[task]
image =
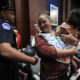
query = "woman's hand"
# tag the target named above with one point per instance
(64, 52)
(69, 38)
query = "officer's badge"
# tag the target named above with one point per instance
(6, 26)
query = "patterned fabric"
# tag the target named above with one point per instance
(58, 43)
(50, 69)
(43, 47)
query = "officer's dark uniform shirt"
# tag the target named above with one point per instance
(8, 68)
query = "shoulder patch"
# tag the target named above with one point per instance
(6, 26)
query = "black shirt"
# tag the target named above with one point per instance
(8, 68)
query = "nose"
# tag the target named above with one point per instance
(42, 24)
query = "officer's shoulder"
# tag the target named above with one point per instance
(5, 25)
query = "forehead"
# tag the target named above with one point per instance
(10, 11)
(42, 18)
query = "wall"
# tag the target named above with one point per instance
(22, 20)
(64, 7)
(75, 4)
(56, 3)
(35, 7)
(27, 12)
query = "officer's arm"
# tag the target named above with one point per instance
(8, 51)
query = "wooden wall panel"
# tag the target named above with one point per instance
(27, 12)
(35, 7)
(22, 20)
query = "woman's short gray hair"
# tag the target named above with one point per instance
(44, 15)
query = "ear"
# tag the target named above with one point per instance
(2, 13)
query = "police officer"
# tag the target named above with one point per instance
(9, 55)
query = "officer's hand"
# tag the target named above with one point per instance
(36, 59)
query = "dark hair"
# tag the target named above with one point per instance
(5, 5)
(74, 19)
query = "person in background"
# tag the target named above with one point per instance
(54, 58)
(62, 30)
(26, 71)
(73, 23)
(36, 28)
(32, 37)
(18, 38)
(9, 55)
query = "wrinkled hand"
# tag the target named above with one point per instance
(36, 56)
(61, 30)
(69, 38)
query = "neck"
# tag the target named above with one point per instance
(52, 32)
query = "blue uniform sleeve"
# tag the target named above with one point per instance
(6, 33)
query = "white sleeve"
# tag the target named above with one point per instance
(33, 42)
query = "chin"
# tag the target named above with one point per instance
(45, 31)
